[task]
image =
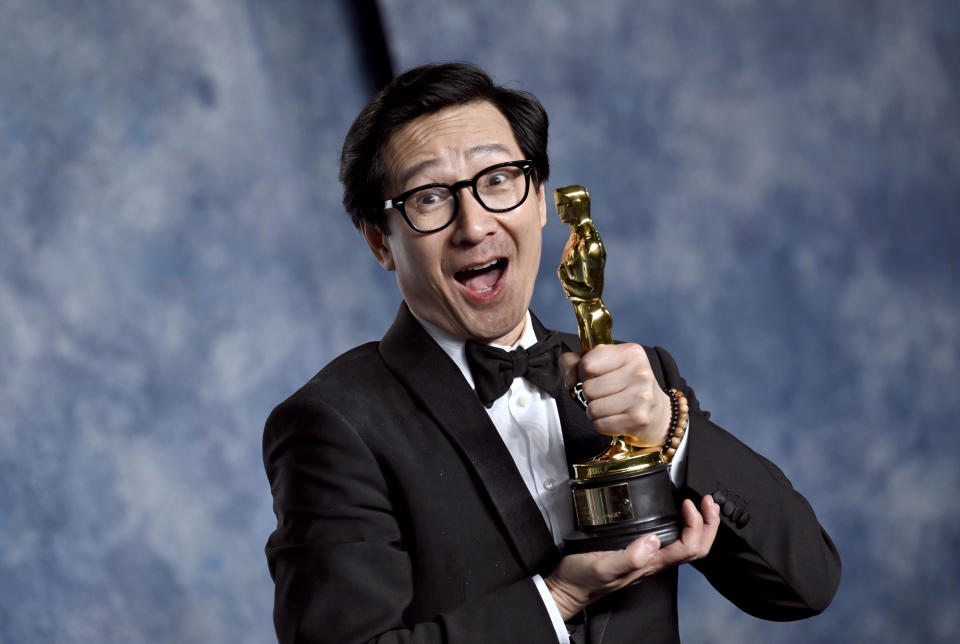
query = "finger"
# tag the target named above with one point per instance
(634, 376)
(615, 425)
(710, 510)
(711, 520)
(632, 413)
(623, 425)
(599, 385)
(569, 366)
(609, 357)
(600, 359)
(692, 522)
(638, 402)
(687, 547)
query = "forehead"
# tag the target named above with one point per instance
(454, 140)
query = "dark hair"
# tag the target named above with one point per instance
(418, 92)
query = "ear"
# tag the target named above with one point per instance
(542, 204)
(379, 244)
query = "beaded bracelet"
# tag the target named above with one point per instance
(679, 420)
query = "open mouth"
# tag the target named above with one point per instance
(482, 278)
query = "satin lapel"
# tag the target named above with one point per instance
(580, 440)
(437, 384)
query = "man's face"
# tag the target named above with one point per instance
(474, 278)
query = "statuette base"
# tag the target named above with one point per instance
(614, 510)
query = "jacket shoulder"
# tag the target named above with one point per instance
(351, 369)
(344, 387)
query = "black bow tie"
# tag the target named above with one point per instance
(494, 369)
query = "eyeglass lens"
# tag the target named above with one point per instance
(500, 188)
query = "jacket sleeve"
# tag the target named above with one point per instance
(341, 571)
(771, 557)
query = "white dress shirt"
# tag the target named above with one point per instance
(528, 422)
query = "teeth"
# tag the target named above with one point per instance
(480, 268)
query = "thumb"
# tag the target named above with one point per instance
(633, 557)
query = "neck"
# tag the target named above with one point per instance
(513, 337)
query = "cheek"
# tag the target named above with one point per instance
(420, 264)
(532, 238)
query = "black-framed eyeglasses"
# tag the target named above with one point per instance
(499, 188)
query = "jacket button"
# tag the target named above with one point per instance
(728, 508)
(736, 514)
(719, 497)
(743, 520)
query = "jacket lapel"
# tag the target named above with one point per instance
(580, 440)
(436, 383)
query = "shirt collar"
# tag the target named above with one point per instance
(456, 347)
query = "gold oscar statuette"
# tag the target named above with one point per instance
(625, 491)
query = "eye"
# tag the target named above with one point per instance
(429, 198)
(496, 179)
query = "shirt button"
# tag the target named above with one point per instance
(523, 400)
(549, 484)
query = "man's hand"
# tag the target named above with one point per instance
(623, 395)
(581, 579)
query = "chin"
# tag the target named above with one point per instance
(496, 327)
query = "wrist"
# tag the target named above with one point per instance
(666, 418)
(566, 602)
(679, 420)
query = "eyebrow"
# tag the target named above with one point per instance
(478, 150)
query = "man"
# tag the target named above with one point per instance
(412, 507)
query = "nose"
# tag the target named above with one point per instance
(473, 222)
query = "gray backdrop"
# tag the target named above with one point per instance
(777, 182)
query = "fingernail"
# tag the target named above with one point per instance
(651, 544)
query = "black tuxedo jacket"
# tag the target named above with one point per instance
(401, 516)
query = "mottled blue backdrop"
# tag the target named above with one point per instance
(778, 184)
